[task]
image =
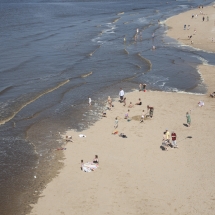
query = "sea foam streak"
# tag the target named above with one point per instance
(29, 102)
(148, 62)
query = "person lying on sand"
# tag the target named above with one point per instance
(139, 103)
(212, 95)
(130, 105)
(115, 132)
(68, 139)
(122, 135)
(104, 114)
(201, 103)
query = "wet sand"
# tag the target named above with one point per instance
(135, 176)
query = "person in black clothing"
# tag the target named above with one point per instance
(139, 103)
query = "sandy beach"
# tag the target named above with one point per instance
(135, 176)
(202, 32)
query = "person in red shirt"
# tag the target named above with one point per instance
(174, 136)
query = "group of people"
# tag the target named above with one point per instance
(169, 140)
(90, 166)
(142, 87)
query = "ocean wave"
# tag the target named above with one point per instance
(142, 20)
(148, 62)
(87, 74)
(20, 107)
(126, 51)
(5, 89)
(116, 20)
(44, 38)
(139, 67)
(91, 54)
(120, 13)
(19, 66)
(204, 61)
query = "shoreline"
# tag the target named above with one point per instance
(135, 175)
(197, 28)
(118, 185)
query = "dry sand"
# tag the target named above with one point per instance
(135, 176)
(205, 30)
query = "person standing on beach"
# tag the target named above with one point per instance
(109, 102)
(203, 18)
(90, 100)
(144, 87)
(121, 94)
(188, 119)
(140, 87)
(116, 123)
(173, 135)
(142, 117)
(167, 136)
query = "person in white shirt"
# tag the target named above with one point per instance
(90, 100)
(121, 94)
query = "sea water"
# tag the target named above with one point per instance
(54, 54)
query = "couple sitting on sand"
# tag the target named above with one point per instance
(138, 103)
(90, 166)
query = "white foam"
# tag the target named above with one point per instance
(142, 20)
(204, 61)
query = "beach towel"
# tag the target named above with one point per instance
(86, 169)
(82, 135)
(89, 167)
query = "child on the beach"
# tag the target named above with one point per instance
(126, 115)
(116, 123)
(142, 117)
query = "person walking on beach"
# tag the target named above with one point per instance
(203, 18)
(109, 102)
(90, 100)
(124, 101)
(173, 135)
(188, 119)
(121, 94)
(116, 123)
